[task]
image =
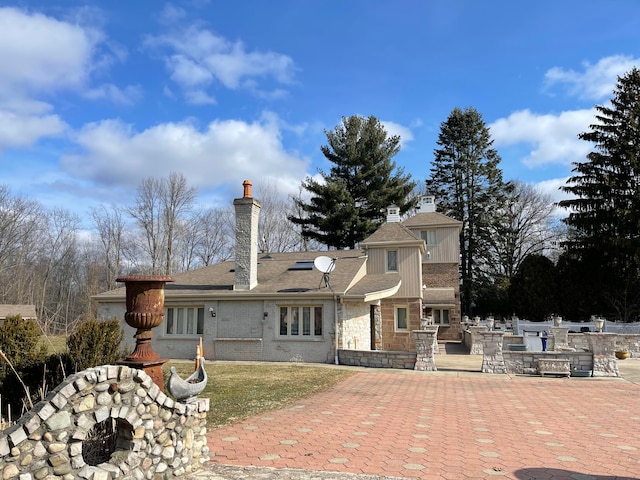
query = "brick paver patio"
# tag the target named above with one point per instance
(456, 426)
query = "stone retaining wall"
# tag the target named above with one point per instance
(527, 362)
(106, 422)
(377, 359)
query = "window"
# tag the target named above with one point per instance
(429, 237)
(440, 316)
(392, 260)
(402, 318)
(300, 321)
(184, 320)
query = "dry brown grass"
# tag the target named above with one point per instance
(238, 391)
(54, 344)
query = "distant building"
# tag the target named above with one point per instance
(280, 307)
(27, 312)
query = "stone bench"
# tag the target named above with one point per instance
(554, 366)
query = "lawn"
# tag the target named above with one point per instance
(54, 344)
(238, 391)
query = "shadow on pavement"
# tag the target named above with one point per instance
(560, 474)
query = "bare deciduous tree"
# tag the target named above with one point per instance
(159, 206)
(111, 230)
(526, 227)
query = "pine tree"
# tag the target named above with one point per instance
(605, 213)
(350, 203)
(468, 186)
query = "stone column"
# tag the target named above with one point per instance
(434, 329)
(377, 321)
(492, 359)
(476, 341)
(560, 337)
(603, 346)
(425, 360)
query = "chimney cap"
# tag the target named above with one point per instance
(247, 188)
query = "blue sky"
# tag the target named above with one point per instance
(96, 96)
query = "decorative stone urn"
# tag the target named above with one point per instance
(145, 310)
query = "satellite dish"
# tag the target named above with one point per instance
(324, 264)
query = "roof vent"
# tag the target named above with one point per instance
(393, 214)
(427, 204)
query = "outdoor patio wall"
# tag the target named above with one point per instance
(355, 334)
(60, 438)
(527, 362)
(377, 359)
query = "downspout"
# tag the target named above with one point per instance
(335, 327)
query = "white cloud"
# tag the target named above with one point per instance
(554, 137)
(24, 130)
(221, 153)
(392, 128)
(40, 57)
(39, 53)
(127, 96)
(595, 82)
(198, 56)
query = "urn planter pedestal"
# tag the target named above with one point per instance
(145, 310)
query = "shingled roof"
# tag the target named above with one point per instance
(431, 219)
(25, 311)
(392, 233)
(279, 274)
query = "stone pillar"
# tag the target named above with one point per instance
(425, 360)
(560, 338)
(492, 359)
(434, 329)
(476, 341)
(377, 321)
(603, 346)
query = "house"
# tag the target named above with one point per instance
(27, 312)
(289, 306)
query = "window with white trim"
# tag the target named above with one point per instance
(392, 260)
(300, 321)
(184, 320)
(429, 237)
(440, 316)
(402, 318)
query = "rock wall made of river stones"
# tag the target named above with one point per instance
(107, 422)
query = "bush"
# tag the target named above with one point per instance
(18, 340)
(95, 343)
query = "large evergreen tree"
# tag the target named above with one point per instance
(467, 183)
(351, 200)
(605, 212)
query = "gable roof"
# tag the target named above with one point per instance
(25, 311)
(276, 279)
(431, 219)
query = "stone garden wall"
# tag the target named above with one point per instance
(377, 359)
(106, 422)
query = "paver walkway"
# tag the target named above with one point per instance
(436, 425)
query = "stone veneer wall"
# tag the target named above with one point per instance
(445, 275)
(527, 362)
(156, 437)
(393, 340)
(377, 359)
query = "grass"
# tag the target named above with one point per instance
(54, 344)
(238, 391)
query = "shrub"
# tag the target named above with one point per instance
(95, 343)
(18, 340)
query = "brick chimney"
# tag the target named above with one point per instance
(247, 216)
